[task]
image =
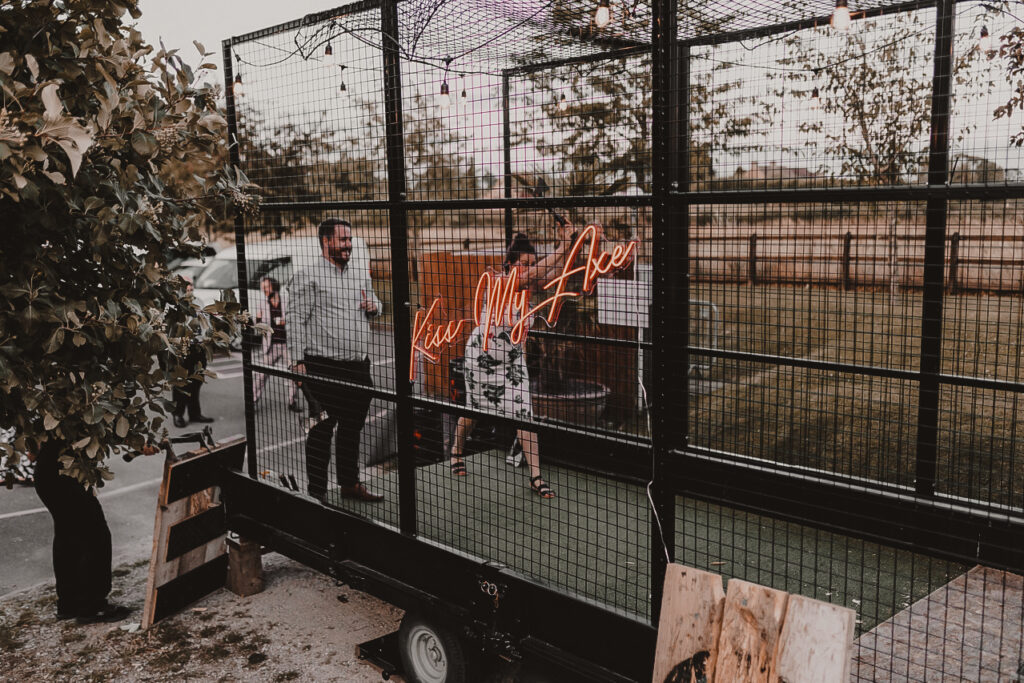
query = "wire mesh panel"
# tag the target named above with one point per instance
(584, 301)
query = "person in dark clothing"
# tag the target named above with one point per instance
(329, 306)
(81, 543)
(187, 397)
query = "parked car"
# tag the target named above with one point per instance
(275, 258)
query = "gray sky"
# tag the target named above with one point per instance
(179, 22)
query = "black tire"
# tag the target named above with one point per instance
(431, 653)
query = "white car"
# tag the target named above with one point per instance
(273, 258)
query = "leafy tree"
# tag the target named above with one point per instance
(88, 131)
(877, 80)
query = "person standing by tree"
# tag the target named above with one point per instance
(187, 397)
(330, 304)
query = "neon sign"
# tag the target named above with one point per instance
(505, 303)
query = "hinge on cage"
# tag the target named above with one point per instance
(493, 591)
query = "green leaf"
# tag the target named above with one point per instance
(121, 429)
(55, 341)
(82, 443)
(50, 422)
(144, 144)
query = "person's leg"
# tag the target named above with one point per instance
(462, 430)
(318, 441)
(355, 407)
(259, 379)
(81, 539)
(528, 440)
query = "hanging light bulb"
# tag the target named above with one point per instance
(342, 87)
(603, 15)
(985, 40)
(329, 56)
(238, 89)
(463, 97)
(841, 16)
(563, 104)
(443, 99)
(815, 99)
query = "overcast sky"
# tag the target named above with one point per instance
(179, 22)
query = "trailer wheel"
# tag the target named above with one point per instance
(430, 653)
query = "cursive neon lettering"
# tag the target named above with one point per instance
(499, 300)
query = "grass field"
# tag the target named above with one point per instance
(856, 424)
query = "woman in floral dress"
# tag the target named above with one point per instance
(496, 378)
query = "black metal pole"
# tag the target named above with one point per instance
(248, 338)
(401, 303)
(934, 253)
(665, 292)
(507, 149)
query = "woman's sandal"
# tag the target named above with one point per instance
(458, 468)
(540, 487)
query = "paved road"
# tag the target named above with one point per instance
(26, 530)
(129, 501)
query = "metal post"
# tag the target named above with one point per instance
(752, 260)
(507, 147)
(847, 259)
(248, 338)
(954, 263)
(668, 295)
(398, 220)
(934, 252)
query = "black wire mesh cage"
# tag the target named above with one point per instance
(740, 282)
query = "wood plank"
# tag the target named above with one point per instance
(751, 625)
(814, 646)
(189, 587)
(202, 470)
(195, 531)
(691, 618)
(157, 553)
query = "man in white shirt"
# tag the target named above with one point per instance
(330, 304)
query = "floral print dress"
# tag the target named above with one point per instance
(496, 378)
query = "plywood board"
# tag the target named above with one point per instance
(691, 618)
(815, 643)
(751, 625)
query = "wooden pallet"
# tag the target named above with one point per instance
(750, 634)
(189, 559)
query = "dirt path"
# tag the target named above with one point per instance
(302, 627)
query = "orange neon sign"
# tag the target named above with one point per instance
(509, 305)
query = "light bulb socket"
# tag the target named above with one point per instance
(342, 87)
(238, 79)
(329, 51)
(984, 31)
(814, 93)
(444, 88)
(842, 3)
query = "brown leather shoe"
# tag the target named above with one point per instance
(360, 492)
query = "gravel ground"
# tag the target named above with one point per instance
(303, 627)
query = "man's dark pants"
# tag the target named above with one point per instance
(346, 408)
(81, 539)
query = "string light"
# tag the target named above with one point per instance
(603, 15)
(463, 98)
(841, 16)
(563, 104)
(342, 87)
(815, 99)
(329, 56)
(444, 100)
(985, 41)
(238, 89)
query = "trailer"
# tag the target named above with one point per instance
(779, 418)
